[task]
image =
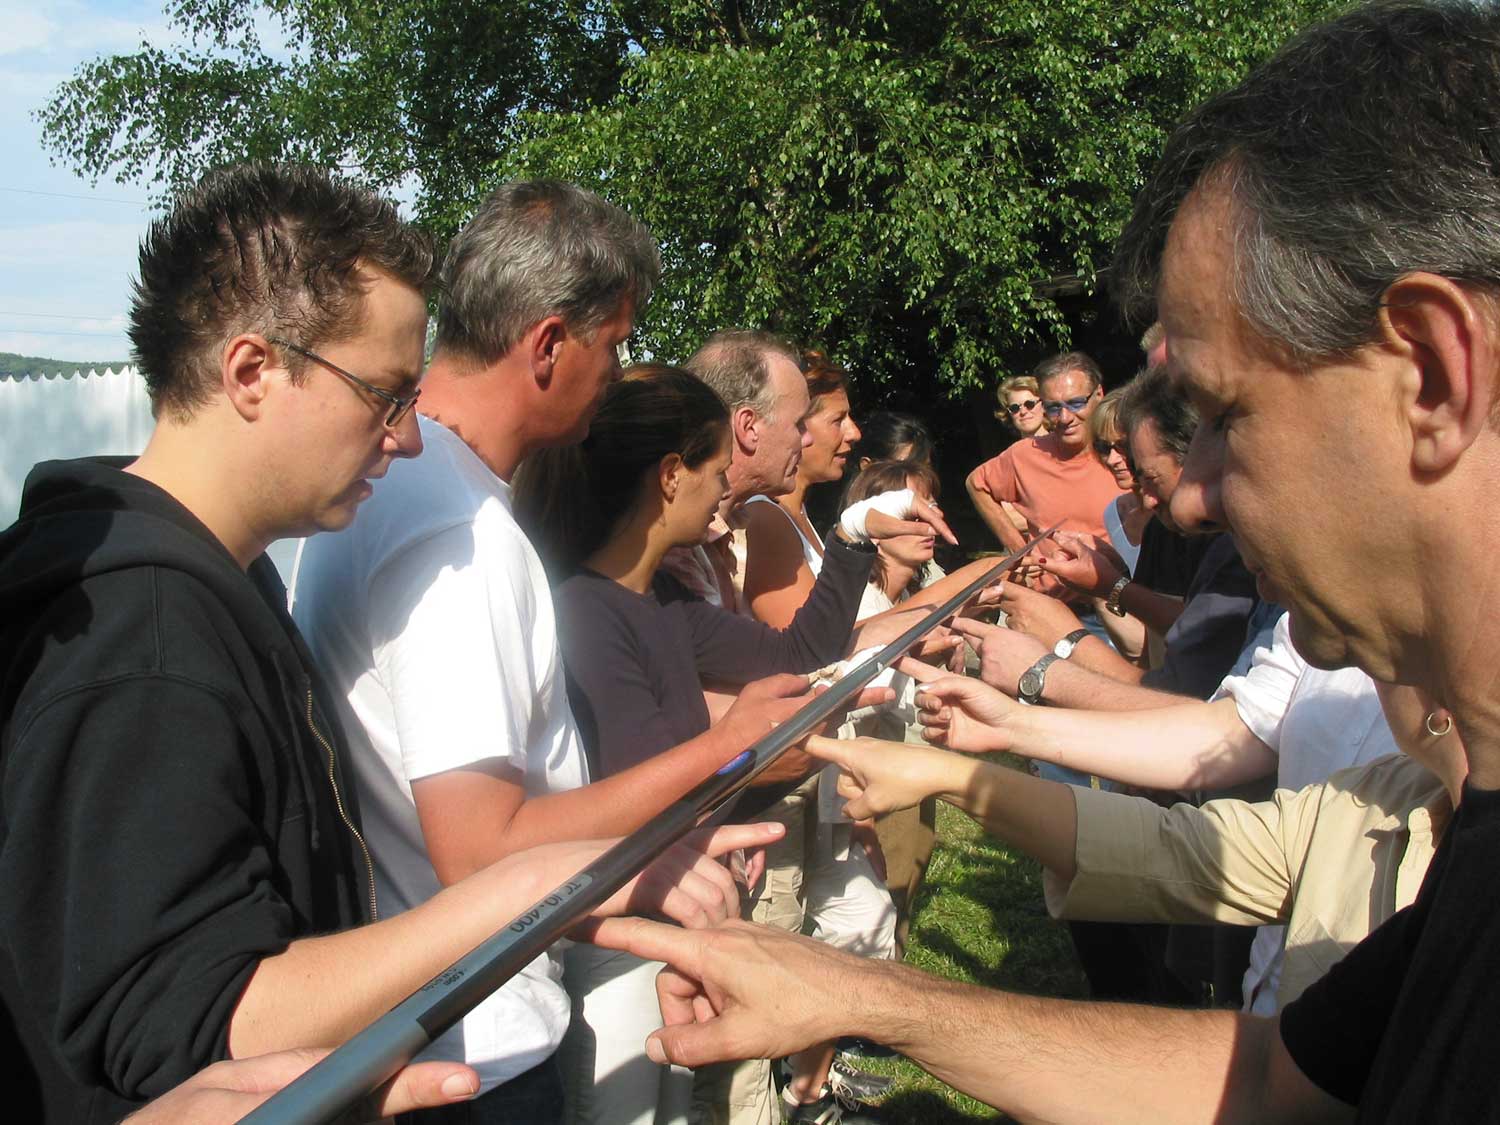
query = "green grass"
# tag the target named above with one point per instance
(979, 919)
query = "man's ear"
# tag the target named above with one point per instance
(745, 424)
(1447, 336)
(245, 367)
(669, 475)
(544, 341)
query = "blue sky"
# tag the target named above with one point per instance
(67, 248)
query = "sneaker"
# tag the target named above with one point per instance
(864, 1048)
(848, 1081)
(829, 1109)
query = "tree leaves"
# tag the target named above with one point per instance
(909, 186)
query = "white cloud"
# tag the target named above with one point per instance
(46, 246)
(26, 29)
(79, 31)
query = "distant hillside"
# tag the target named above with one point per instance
(16, 365)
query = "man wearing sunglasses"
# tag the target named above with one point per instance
(1056, 477)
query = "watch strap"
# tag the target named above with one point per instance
(1064, 648)
(1112, 603)
(1034, 680)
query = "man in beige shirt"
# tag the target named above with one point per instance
(1331, 861)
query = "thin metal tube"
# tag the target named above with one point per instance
(374, 1055)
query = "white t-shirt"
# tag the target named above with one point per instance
(1318, 722)
(432, 617)
(1115, 528)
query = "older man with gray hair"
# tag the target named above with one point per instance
(1321, 245)
(434, 620)
(759, 377)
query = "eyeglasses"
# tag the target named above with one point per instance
(1072, 405)
(1105, 448)
(1017, 407)
(400, 404)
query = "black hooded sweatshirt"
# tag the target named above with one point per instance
(173, 806)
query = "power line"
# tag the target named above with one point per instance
(69, 195)
(54, 316)
(53, 332)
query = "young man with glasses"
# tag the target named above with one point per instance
(1055, 478)
(186, 878)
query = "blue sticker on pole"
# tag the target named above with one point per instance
(734, 763)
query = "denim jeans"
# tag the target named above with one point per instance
(1050, 772)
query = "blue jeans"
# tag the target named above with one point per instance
(1050, 772)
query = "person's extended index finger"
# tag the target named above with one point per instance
(828, 749)
(934, 517)
(970, 627)
(921, 671)
(653, 941)
(714, 842)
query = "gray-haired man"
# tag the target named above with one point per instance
(433, 616)
(1320, 243)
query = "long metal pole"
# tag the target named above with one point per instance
(374, 1055)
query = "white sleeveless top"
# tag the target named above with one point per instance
(809, 550)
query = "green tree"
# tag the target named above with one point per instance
(909, 185)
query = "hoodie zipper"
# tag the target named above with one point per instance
(338, 801)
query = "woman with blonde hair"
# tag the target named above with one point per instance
(1021, 405)
(1126, 517)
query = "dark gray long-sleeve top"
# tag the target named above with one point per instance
(636, 663)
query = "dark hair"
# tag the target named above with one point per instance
(886, 431)
(824, 377)
(733, 362)
(570, 498)
(1053, 366)
(1367, 148)
(540, 248)
(891, 476)
(279, 249)
(1151, 395)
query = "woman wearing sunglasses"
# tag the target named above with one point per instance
(1021, 406)
(1125, 517)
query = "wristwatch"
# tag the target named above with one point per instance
(1034, 679)
(1112, 603)
(1064, 648)
(858, 546)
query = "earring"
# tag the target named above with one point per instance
(1438, 731)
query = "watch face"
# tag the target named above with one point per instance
(1064, 648)
(1028, 684)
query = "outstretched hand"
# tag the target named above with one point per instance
(938, 644)
(228, 1090)
(742, 991)
(1081, 565)
(765, 704)
(923, 517)
(1043, 617)
(879, 777)
(686, 883)
(1004, 654)
(959, 712)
